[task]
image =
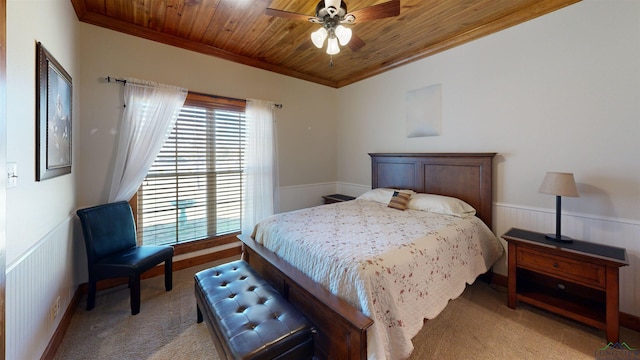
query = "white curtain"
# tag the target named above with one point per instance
(150, 112)
(261, 170)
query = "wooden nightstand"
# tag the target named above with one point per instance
(334, 198)
(578, 280)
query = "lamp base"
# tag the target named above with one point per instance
(562, 238)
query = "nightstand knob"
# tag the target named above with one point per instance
(555, 265)
(561, 286)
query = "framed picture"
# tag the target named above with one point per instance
(53, 117)
(424, 111)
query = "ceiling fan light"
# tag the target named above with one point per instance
(343, 34)
(318, 37)
(332, 46)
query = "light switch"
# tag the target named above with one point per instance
(12, 175)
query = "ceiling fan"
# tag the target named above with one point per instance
(332, 14)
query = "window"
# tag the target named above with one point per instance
(193, 190)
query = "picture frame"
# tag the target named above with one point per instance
(54, 93)
(424, 111)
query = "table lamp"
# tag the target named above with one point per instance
(559, 184)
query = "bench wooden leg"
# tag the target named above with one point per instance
(200, 318)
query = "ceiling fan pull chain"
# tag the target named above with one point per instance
(331, 61)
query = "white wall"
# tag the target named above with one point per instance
(306, 137)
(561, 92)
(39, 214)
(45, 253)
(557, 93)
(34, 208)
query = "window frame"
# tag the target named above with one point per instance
(203, 100)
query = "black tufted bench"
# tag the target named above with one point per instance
(248, 318)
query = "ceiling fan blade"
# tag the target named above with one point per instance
(380, 11)
(355, 43)
(286, 14)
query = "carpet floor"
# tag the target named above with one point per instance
(477, 325)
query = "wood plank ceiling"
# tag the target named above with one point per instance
(239, 31)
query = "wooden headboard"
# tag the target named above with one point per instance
(466, 176)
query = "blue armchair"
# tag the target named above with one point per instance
(110, 237)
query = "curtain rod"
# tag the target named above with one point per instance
(123, 81)
(110, 79)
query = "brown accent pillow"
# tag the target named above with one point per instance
(399, 200)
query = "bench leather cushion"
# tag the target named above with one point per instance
(249, 317)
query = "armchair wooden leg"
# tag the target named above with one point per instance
(168, 275)
(134, 282)
(91, 295)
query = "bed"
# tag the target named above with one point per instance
(343, 329)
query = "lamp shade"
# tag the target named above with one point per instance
(318, 37)
(559, 184)
(343, 34)
(332, 46)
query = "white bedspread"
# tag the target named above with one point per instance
(397, 267)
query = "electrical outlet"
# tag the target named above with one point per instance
(55, 308)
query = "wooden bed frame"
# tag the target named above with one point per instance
(341, 328)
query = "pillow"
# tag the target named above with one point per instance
(441, 204)
(381, 195)
(399, 200)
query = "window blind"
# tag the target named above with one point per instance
(193, 190)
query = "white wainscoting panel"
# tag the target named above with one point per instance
(352, 189)
(33, 283)
(610, 231)
(54, 266)
(304, 196)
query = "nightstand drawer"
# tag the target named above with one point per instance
(580, 272)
